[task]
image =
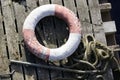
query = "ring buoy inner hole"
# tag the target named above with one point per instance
(52, 32)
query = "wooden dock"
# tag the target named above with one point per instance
(50, 31)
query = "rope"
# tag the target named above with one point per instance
(92, 55)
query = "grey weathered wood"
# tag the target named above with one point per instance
(31, 4)
(57, 2)
(105, 7)
(30, 72)
(84, 17)
(4, 62)
(20, 15)
(42, 2)
(96, 20)
(20, 8)
(70, 4)
(12, 36)
(98, 28)
(109, 27)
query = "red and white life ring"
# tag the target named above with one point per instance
(57, 53)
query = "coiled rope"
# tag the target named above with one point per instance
(93, 56)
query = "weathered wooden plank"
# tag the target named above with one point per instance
(57, 2)
(31, 4)
(70, 4)
(30, 72)
(4, 62)
(98, 28)
(96, 20)
(19, 7)
(12, 36)
(105, 7)
(83, 13)
(42, 2)
(109, 27)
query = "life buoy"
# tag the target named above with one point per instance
(57, 53)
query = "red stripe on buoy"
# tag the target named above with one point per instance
(69, 17)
